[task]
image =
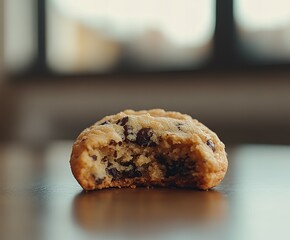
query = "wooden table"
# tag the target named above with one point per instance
(39, 199)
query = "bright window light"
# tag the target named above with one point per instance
(183, 21)
(262, 14)
(263, 28)
(157, 33)
(20, 44)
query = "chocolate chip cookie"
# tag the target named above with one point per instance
(148, 148)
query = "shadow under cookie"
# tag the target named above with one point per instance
(139, 211)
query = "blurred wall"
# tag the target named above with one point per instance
(240, 107)
(1, 40)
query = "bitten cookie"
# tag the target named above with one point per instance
(148, 148)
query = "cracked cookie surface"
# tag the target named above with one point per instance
(148, 148)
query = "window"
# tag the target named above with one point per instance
(263, 28)
(100, 36)
(20, 39)
(70, 37)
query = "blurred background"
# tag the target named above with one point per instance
(64, 64)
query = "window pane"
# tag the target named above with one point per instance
(264, 29)
(20, 45)
(98, 36)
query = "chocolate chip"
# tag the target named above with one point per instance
(125, 164)
(127, 130)
(114, 173)
(180, 167)
(145, 165)
(132, 173)
(161, 159)
(120, 143)
(171, 171)
(138, 174)
(144, 137)
(123, 121)
(94, 157)
(176, 168)
(129, 173)
(115, 154)
(112, 142)
(210, 144)
(152, 144)
(104, 123)
(178, 125)
(99, 181)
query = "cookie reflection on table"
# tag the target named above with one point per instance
(137, 209)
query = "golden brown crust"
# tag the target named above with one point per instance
(211, 157)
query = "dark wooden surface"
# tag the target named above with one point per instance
(39, 199)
